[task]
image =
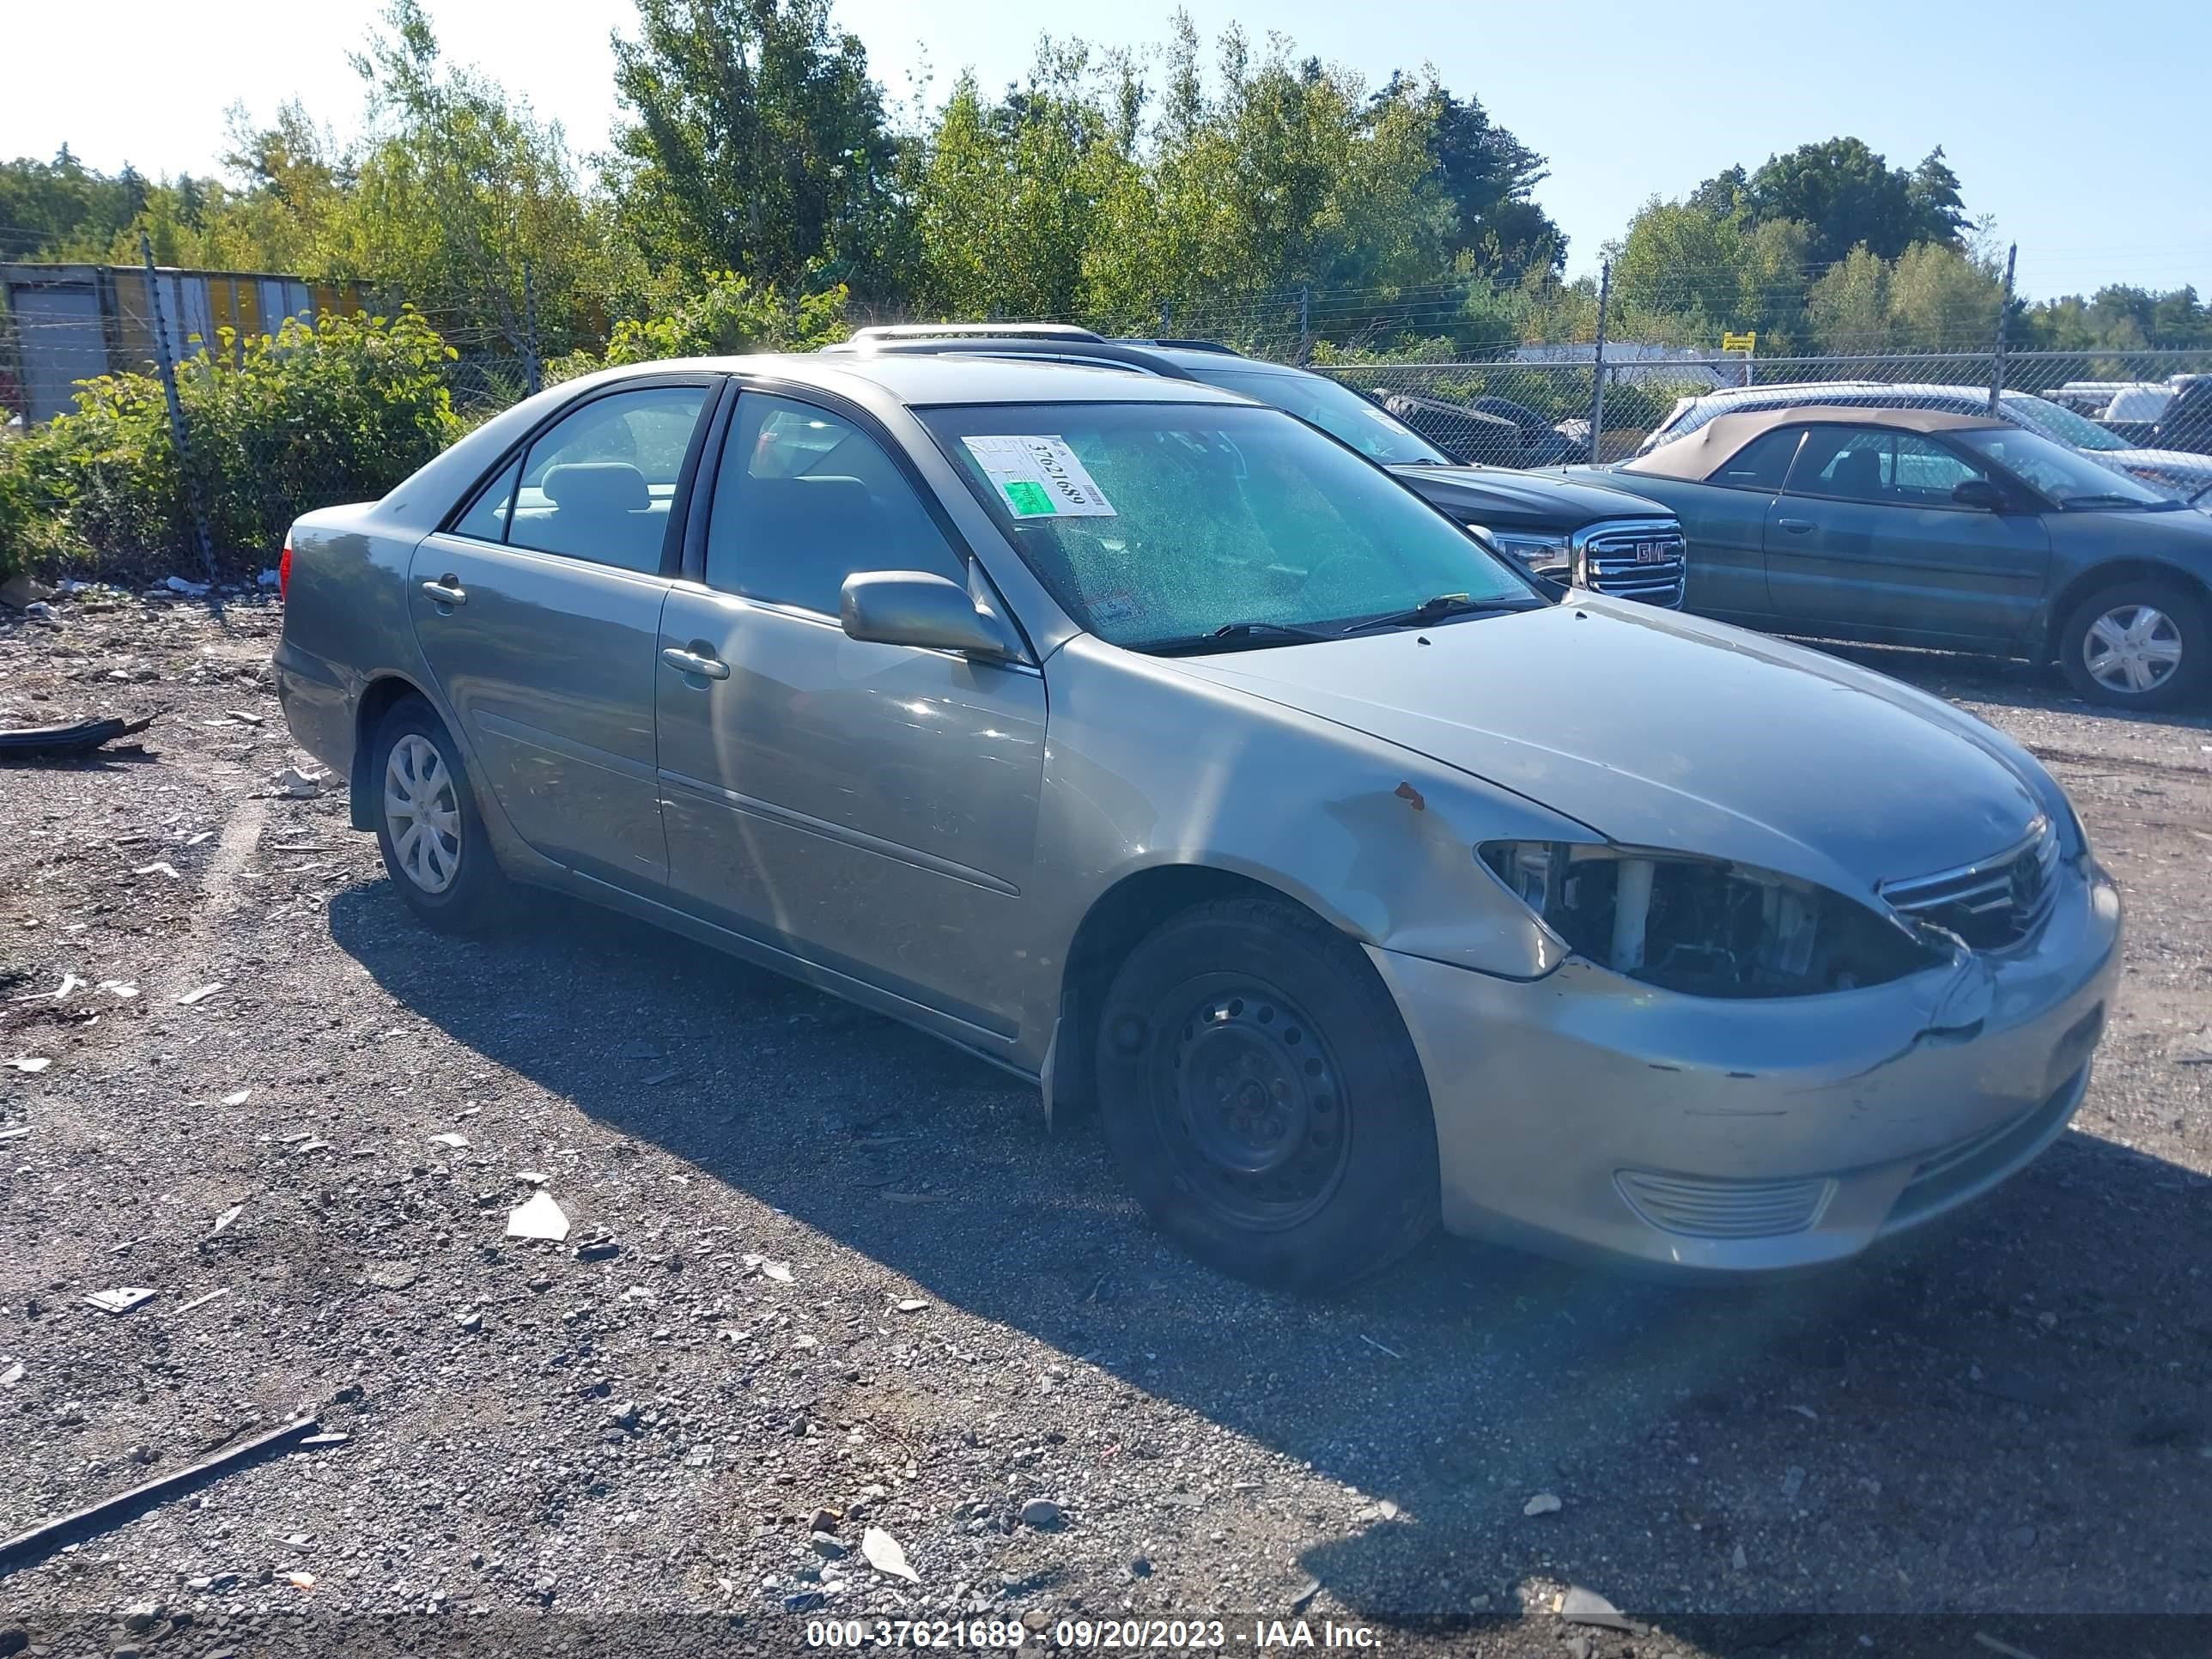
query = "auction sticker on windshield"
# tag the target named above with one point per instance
(1039, 477)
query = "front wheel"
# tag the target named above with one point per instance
(2137, 645)
(434, 842)
(1263, 1100)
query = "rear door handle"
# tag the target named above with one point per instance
(690, 662)
(448, 591)
(1796, 527)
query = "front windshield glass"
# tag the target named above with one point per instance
(2058, 421)
(2056, 472)
(1152, 523)
(1336, 410)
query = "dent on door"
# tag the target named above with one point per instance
(871, 807)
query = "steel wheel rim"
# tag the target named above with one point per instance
(1249, 1097)
(423, 814)
(2132, 649)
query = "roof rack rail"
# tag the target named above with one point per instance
(976, 330)
(1190, 345)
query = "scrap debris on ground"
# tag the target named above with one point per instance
(825, 1319)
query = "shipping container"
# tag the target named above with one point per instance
(66, 323)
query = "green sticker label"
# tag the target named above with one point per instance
(1027, 499)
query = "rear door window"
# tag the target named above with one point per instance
(1763, 463)
(486, 519)
(600, 483)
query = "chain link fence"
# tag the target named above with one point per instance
(1535, 407)
(1491, 402)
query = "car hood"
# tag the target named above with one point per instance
(2180, 462)
(2191, 475)
(1664, 730)
(1522, 497)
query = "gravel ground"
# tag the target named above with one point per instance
(843, 1269)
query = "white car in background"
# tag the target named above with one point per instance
(2175, 474)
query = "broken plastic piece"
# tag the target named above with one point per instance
(1585, 1607)
(539, 1217)
(40, 1538)
(881, 1551)
(81, 739)
(121, 1300)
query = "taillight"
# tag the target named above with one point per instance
(285, 569)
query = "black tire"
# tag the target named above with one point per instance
(476, 892)
(1263, 1100)
(2185, 626)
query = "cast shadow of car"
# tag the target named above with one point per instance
(1887, 1426)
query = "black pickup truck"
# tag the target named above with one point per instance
(1563, 532)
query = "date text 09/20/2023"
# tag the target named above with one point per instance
(1141, 1635)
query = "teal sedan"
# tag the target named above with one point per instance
(1901, 526)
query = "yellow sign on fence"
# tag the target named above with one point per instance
(1740, 342)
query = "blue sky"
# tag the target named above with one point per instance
(2077, 127)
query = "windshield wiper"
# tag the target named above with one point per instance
(2101, 501)
(1435, 609)
(1234, 634)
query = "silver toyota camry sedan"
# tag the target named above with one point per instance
(1156, 747)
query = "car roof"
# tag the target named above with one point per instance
(1695, 457)
(1444, 406)
(926, 379)
(1176, 359)
(1814, 391)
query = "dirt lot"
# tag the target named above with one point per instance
(853, 1272)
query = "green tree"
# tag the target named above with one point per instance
(1489, 178)
(1848, 309)
(1941, 299)
(756, 142)
(461, 198)
(1846, 196)
(1014, 199)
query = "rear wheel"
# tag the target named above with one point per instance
(434, 846)
(2137, 645)
(1261, 1095)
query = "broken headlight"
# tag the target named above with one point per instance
(1705, 927)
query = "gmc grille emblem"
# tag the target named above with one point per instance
(1650, 552)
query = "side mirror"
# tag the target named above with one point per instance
(1978, 492)
(911, 607)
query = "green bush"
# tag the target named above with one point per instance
(730, 317)
(341, 410)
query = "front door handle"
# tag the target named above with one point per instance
(692, 662)
(447, 592)
(1796, 527)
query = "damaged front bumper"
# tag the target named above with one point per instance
(1585, 1112)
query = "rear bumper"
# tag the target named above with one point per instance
(318, 704)
(1586, 1113)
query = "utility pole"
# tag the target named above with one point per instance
(532, 375)
(2004, 315)
(169, 371)
(1597, 363)
(1305, 325)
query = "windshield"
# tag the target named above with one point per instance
(1336, 410)
(1152, 523)
(2056, 472)
(2057, 420)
